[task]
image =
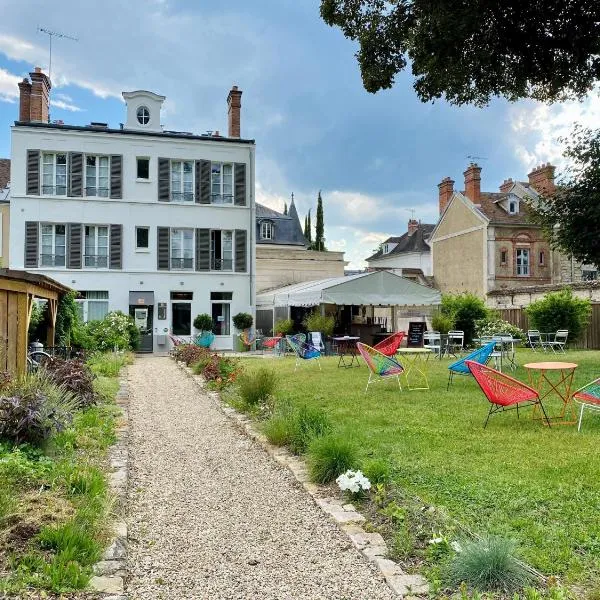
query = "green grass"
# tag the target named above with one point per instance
(516, 479)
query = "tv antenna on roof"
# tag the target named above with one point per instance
(471, 157)
(52, 34)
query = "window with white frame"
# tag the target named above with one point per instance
(96, 176)
(182, 248)
(221, 183)
(182, 181)
(92, 306)
(523, 262)
(513, 207)
(221, 312)
(221, 250)
(142, 238)
(54, 174)
(53, 246)
(96, 247)
(266, 230)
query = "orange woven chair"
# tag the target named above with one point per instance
(503, 392)
(389, 346)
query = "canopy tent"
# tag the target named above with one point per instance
(379, 288)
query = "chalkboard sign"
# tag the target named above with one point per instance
(416, 329)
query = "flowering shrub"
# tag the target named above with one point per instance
(221, 371)
(190, 353)
(353, 482)
(493, 325)
(116, 331)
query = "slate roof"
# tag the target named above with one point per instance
(287, 230)
(4, 172)
(417, 242)
(498, 216)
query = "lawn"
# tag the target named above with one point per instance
(517, 478)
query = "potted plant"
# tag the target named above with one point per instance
(241, 322)
(203, 322)
(283, 327)
(315, 321)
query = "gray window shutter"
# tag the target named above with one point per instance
(204, 178)
(75, 175)
(116, 247)
(116, 176)
(33, 173)
(240, 184)
(240, 251)
(202, 249)
(163, 249)
(164, 181)
(74, 246)
(32, 230)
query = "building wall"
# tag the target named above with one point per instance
(277, 266)
(4, 234)
(139, 207)
(408, 260)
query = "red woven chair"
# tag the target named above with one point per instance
(389, 346)
(503, 392)
(271, 343)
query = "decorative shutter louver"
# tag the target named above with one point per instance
(33, 173)
(116, 246)
(204, 191)
(164, 182)
(240, 184)
(240, 250)
(163, 237)
(116, 176)
(202, 249)
(32, 230)
(74, 234)
(75, 175)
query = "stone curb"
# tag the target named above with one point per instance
(371, 545)
(110, 572)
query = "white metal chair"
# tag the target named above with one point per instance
(507, 348)
(433, 341)
(534, 339)
(316, 340)
(559, 342)
(456, 342)
(496, 354)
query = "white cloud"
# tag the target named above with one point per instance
(9, 92)
(65, 105)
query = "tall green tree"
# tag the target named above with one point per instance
(285, 208)
(319, 243)
(308, 228)
(473, 50)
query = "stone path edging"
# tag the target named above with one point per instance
(371, 545)
(109, 573)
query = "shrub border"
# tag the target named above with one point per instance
(371, 545)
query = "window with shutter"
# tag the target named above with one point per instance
(163, 262)
(240, 184)
(116, 176)
(31, 243)
(33, 173)
(116, 247)
(202, 249)
(164, 182)
(75, 175)
(240, 250)
(74, 245)
(204, 182)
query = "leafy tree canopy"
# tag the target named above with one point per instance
(468, 51)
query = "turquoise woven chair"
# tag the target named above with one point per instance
(303, 350)
(205, 339)
(481, 356)
(380, 365)
(589, 397)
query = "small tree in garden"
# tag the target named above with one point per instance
(284, 326)
(560, 310)
(243, 321)
(465, 309)
(317, 322)
(67, 318)
(203, 322)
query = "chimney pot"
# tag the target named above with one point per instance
(541, 179)
(413, 225)
(506, 185)
(473, 183)
(40, 96)
(234, 105)
(24, 100)
(446, 189)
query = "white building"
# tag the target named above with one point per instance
(156, 223)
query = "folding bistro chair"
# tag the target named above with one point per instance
(303, 351)
(433, 341)
(534, 339)
(315, 339)
(456, 342)
(559, 342)
(589, 397)
(389, 346)
(503, 392)
(481, 355)
(380, 365)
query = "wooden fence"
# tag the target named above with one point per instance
(589, 340)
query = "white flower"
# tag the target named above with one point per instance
(456, 546)
(437, 540)
(353, 481)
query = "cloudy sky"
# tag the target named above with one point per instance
(376, 158)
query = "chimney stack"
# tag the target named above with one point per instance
(34, 97)
(541, 179)
(506, 185)
(413, 225)
(24, 100)
(234, 104)
(446, 188)
(473, 183)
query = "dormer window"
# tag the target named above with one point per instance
(266, 230)
(143, 115)
(385, 248)
(513, 207)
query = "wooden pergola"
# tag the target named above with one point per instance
(18, 289)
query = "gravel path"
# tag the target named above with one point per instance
(212, 516)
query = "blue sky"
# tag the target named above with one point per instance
(375, 157)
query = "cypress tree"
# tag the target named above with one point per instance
(308, 228)
(285, 208)
(320, 226)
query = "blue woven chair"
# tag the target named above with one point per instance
(481, 356)
(205, 339)
(303, 350)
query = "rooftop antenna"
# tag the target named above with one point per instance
(50, 35)
(471, 157)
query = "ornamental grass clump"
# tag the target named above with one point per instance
(307, 424)
(256, 388)
(330, 456)
(488, 564)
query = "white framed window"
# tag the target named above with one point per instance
(143, 168)
(385, 249)
(143, 115)
(221, 312)
(589, 275)
(266, 230)
(53, 246)
(54, 174)
(96, 247)
(221, 250)
(221, 183)
(182, 181)
(142, 238)
(513, 207)
(182, 249)
(92, 306)
(523, 262)
(96, 176)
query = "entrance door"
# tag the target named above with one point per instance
(143, 317)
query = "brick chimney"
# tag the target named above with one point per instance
(541, 179)
(24, 100)
(506, 185)
(234, 104)
(34, 97)
(413, 225)
(446, 188)
(473, 183)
